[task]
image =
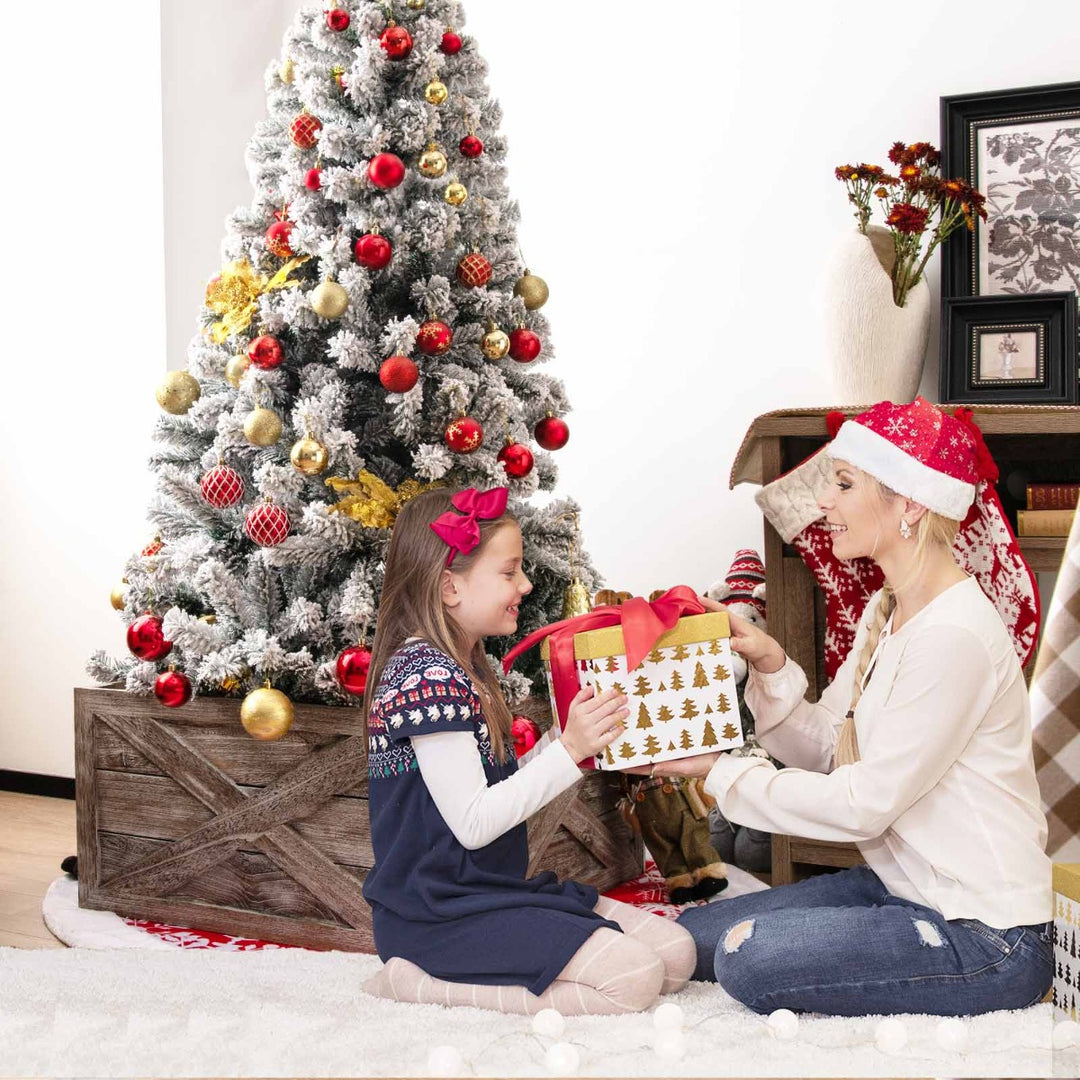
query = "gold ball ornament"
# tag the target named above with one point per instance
(329, 299)
(435, 93)
(532, 289)
(309, 456)
(495, 344)
(266, 713)
(179, 391)
(262, 427)
(286, 71)
(235, 368)
(456, 193)
(432, 162)
(116, 597)
(415, 5)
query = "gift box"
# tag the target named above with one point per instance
(682, 693)
(1066, 925)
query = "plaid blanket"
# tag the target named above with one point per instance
(1055, 709)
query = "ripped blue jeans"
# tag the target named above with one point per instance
(841, 944)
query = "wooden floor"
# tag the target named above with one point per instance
(36, 835)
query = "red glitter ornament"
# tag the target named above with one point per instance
(398, 374)
(266, 352)
(386, 170)
(526, 734)
(304, 130)
(451, 43)
(145, 638)
(464, 435)
(352, 669)
(222, 486)
(153, 547)
(373, 251)
(471, 146)
(172, 688)
(277, 239)
(313, 179)
(266, 524)
(524, 345)
(434, 337)
(337, 19)
(474, 270)
(551, 433)
(397, 41)
(516, 458)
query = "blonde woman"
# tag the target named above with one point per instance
(919, 751)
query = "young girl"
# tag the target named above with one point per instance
(455, 919)
(919, 751)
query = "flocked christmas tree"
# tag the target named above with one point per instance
(374, 330)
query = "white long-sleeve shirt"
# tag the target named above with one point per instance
(943, 805)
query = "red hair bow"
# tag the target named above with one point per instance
(463, 533)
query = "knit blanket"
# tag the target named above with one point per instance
(1055, 708)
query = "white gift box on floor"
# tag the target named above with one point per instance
(1066, 948)
(682, 695)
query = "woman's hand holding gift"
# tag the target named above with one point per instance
(696, 766)
(593, 722)
(750, 641)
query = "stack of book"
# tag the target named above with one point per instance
(1050, 510)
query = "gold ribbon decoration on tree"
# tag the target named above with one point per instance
(234, 294)
(371, 501)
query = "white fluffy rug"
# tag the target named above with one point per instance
(179, 1012)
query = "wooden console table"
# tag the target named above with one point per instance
(1032, 442)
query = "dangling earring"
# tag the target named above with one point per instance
(905, 529)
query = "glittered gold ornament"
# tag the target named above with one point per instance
(116, 597)
(329, 299)
(235, 369)
(286, 71)
(266, 713)
(178, 392)
(495, 344)
(309, 456)
(575, 600)
(415, 5)
(229, 684)
(532, 289)
(435, 93)
(262, 427)
(456, 193)
(432, 162)
(372, 501)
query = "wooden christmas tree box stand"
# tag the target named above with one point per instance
(183, 818)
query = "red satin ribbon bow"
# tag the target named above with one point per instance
(463, 533)
(643, 624)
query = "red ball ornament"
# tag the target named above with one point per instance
(172, 688)
(464, 435)
(524, 345)
(277, 239)
(153, 547)
(386, 170)
(471, 146)
(397, 41)
(373, 251)
(266, 352)
(352, 669)
(516, 458)
(266, 524)
(398, 374)
(337, 19)
(451, 43)
(434, 337)
(474, 270)
(313, 179)
(551, 433)
(222, 486)
(526, 734)
(145, 639)
(304, 130)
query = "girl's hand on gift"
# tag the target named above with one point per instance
(750, 641)
(593, 722)
(696, 766)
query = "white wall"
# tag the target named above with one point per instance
(674, 169)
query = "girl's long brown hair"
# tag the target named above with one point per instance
(411, 605)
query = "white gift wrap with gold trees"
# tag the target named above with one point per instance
(682, 695)
(1066, 951)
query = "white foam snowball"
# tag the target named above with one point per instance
(445, 1061)
(670, 1044)
(562, 1060)
(783, 1024)
(951, 1034)
(890, 1035)
(668, 1017)
(549, 1022)
(1066, 1034)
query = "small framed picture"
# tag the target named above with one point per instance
(1016, 350)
